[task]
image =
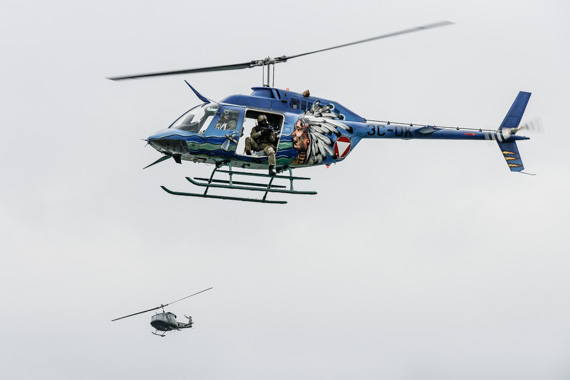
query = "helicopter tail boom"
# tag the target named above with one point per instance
(506, 135)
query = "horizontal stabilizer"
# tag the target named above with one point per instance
(512, 155)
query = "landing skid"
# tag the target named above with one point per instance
(161, 335)
(230, 184)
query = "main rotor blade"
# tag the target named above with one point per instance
(405, 31)
(235, 66)
(140, 312)
(161, 306)
(284, 58)
(201, 291)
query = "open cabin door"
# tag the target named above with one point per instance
(250, 121)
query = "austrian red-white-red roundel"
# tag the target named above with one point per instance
(342, 146)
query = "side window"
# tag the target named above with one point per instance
(294, 103)
(206, 123)
(197, 119)
(206, 118)
(226, 121)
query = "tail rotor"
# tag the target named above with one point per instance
(534, 125)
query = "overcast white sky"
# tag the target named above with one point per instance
(416, 260)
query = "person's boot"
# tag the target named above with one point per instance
(272, 170)
(248, 152)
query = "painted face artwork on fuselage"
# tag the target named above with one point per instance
(315, 133)
(301, 141)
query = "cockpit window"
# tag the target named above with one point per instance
(197, 119)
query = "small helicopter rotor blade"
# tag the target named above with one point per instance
(161, 306)
(140, 312)
(236, 66)
(398, 33)
(201, 291)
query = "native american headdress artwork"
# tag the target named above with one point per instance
(315, 133)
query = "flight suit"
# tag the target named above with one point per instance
(228, 126)
(261, 139)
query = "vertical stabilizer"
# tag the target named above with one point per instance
(509, 126)
(512, 155)
(515, 114)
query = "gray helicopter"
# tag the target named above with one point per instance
(165, 321)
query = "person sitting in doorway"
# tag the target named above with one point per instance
(263, 137)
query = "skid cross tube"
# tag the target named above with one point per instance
(266, 175)
(239, 182)
(231, 184)
(268, 189)
(212, 176)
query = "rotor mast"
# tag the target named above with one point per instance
(268, 69)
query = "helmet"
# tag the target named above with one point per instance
(226, 113)
(261, 119)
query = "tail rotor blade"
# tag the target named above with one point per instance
(534, 125)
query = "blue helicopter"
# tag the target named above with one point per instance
(280, 130)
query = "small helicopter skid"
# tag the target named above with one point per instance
(230, 184)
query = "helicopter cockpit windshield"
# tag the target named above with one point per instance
(197, 119)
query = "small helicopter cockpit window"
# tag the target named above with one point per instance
(197, 119)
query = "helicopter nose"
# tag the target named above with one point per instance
(170, 145)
